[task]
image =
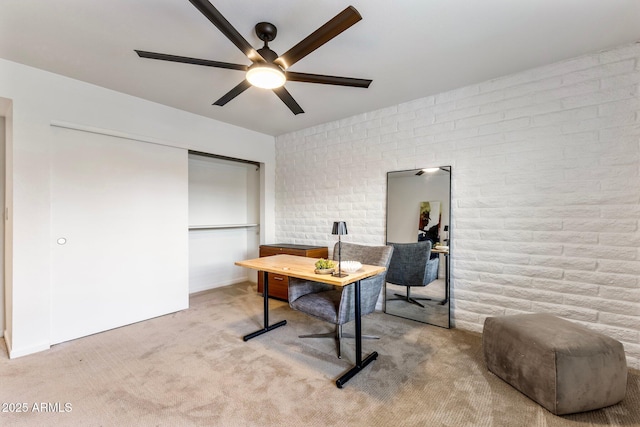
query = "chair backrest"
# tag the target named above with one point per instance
(372, 255)
(409, 264)
(371, 287)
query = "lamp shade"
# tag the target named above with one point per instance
(266, 76)
(339, 228)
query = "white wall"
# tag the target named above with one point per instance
(2, 181)
(221, 193)
(546, 188)
(6, 111)
(39, 98)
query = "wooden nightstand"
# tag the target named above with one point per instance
(278, 284)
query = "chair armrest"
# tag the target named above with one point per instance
(431, 273)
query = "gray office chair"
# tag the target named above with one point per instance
(412, 265)
(336, 305)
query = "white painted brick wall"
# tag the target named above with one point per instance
(546, 188)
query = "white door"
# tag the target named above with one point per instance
(119, 232)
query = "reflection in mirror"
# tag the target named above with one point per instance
(418, 218)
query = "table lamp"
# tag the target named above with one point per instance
(339, 228)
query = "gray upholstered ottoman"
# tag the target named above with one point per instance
(563, 366)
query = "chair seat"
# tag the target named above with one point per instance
(323, 305)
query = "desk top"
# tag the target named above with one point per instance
(303, 268)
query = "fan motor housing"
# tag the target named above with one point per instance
(266, 31)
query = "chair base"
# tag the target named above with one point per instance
(411, 300)
(338, 335)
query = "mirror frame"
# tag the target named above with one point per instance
(447, 260)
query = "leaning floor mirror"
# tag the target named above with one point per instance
(418, 219)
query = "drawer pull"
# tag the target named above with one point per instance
(278, 278)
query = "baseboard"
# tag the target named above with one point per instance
(14, 353)
(7, 340)
(203, 288)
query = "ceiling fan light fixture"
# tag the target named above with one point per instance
(266, 76)
(268, 69)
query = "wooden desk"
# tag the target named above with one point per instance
(279, 282)
(303, 268)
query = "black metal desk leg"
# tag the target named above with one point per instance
(360, 364)
(267, 327)
(358, 314)
(446, 279)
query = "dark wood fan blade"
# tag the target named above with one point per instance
(332, 28)
(286, 97)
(327, 80)
(187, 60)
(244, 85)
(216, 18)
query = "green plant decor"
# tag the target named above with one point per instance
(325, 264)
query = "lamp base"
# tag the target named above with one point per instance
(335, 274)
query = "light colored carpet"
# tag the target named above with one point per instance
(192, 368)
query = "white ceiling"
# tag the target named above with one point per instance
(409, 48)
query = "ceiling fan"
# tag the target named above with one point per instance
(268, 70)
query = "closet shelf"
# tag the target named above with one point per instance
(221, 226)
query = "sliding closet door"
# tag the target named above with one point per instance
(119, 232)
